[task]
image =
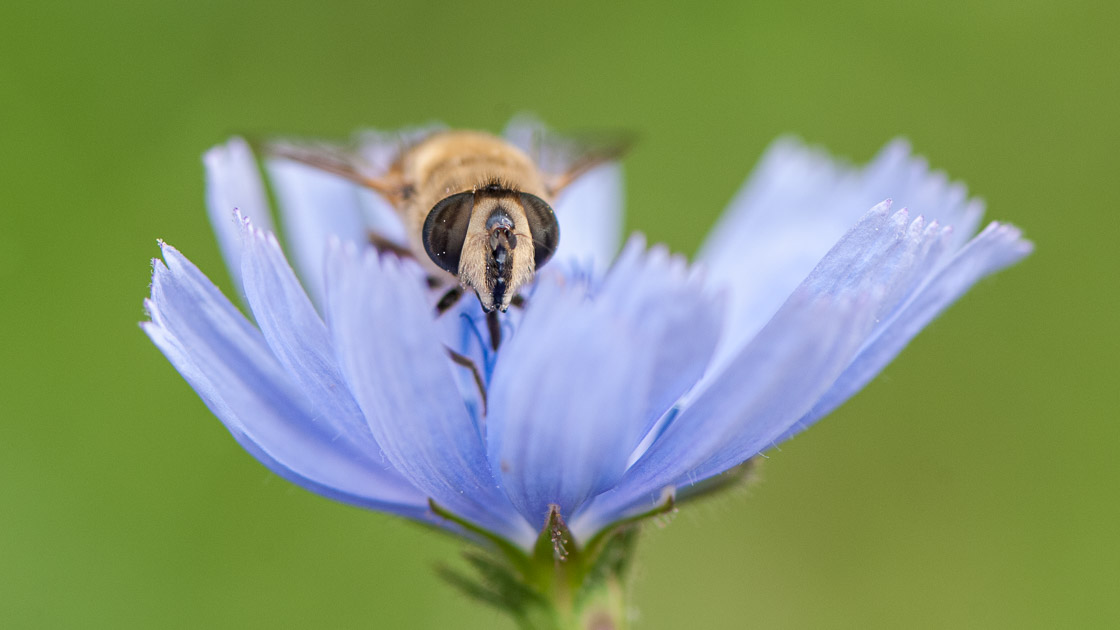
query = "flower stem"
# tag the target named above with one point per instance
(603, 609)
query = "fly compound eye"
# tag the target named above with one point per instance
(543, 227)
(445, 230)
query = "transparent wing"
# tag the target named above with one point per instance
(564, 158)
(343, 160)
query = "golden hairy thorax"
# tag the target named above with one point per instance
(452, 162)
(456, 161)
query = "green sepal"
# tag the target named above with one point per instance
(512, 552)
(495, 583)
(557, 584)
(667, 505)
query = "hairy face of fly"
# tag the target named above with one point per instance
(497, 258)
(492, 239)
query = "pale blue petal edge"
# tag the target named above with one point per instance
(670, 300)
(797, 203)
(314, 206)
(233, 182)
(226, 360)
(300, 342)
(589, 211)
(995, 248)
(398, 370)
(888, 261)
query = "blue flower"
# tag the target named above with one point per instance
(619, 383)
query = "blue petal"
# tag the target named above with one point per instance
(398, 370)
(300, 342)
(563, 393)
(226, 360)
(997, 247)
(464, 329)
(584, 378)
(590, 214)
(798, 202)
(891, 261)
(787, 367)
(315, 205)
(687, 325)
(233, 182)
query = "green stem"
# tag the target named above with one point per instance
(603, 609)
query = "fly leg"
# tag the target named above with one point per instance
(387, 246)
(494, 325)
(448, 300)
(466, 362)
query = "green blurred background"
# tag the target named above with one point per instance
(974, 484)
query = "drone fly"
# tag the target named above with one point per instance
(476, 208)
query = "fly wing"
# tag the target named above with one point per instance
(380, 149)
(338, 159)
(368, 160)
(562, 159)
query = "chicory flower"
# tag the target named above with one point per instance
(627, 381)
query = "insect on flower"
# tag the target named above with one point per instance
(474, 203)
(629, 383)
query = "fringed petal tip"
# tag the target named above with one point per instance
(262, 403)
(1012, 235)
(408, 273)
(253, 236)
(233, 182)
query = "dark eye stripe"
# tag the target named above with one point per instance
(542, 226)
(445, 230)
